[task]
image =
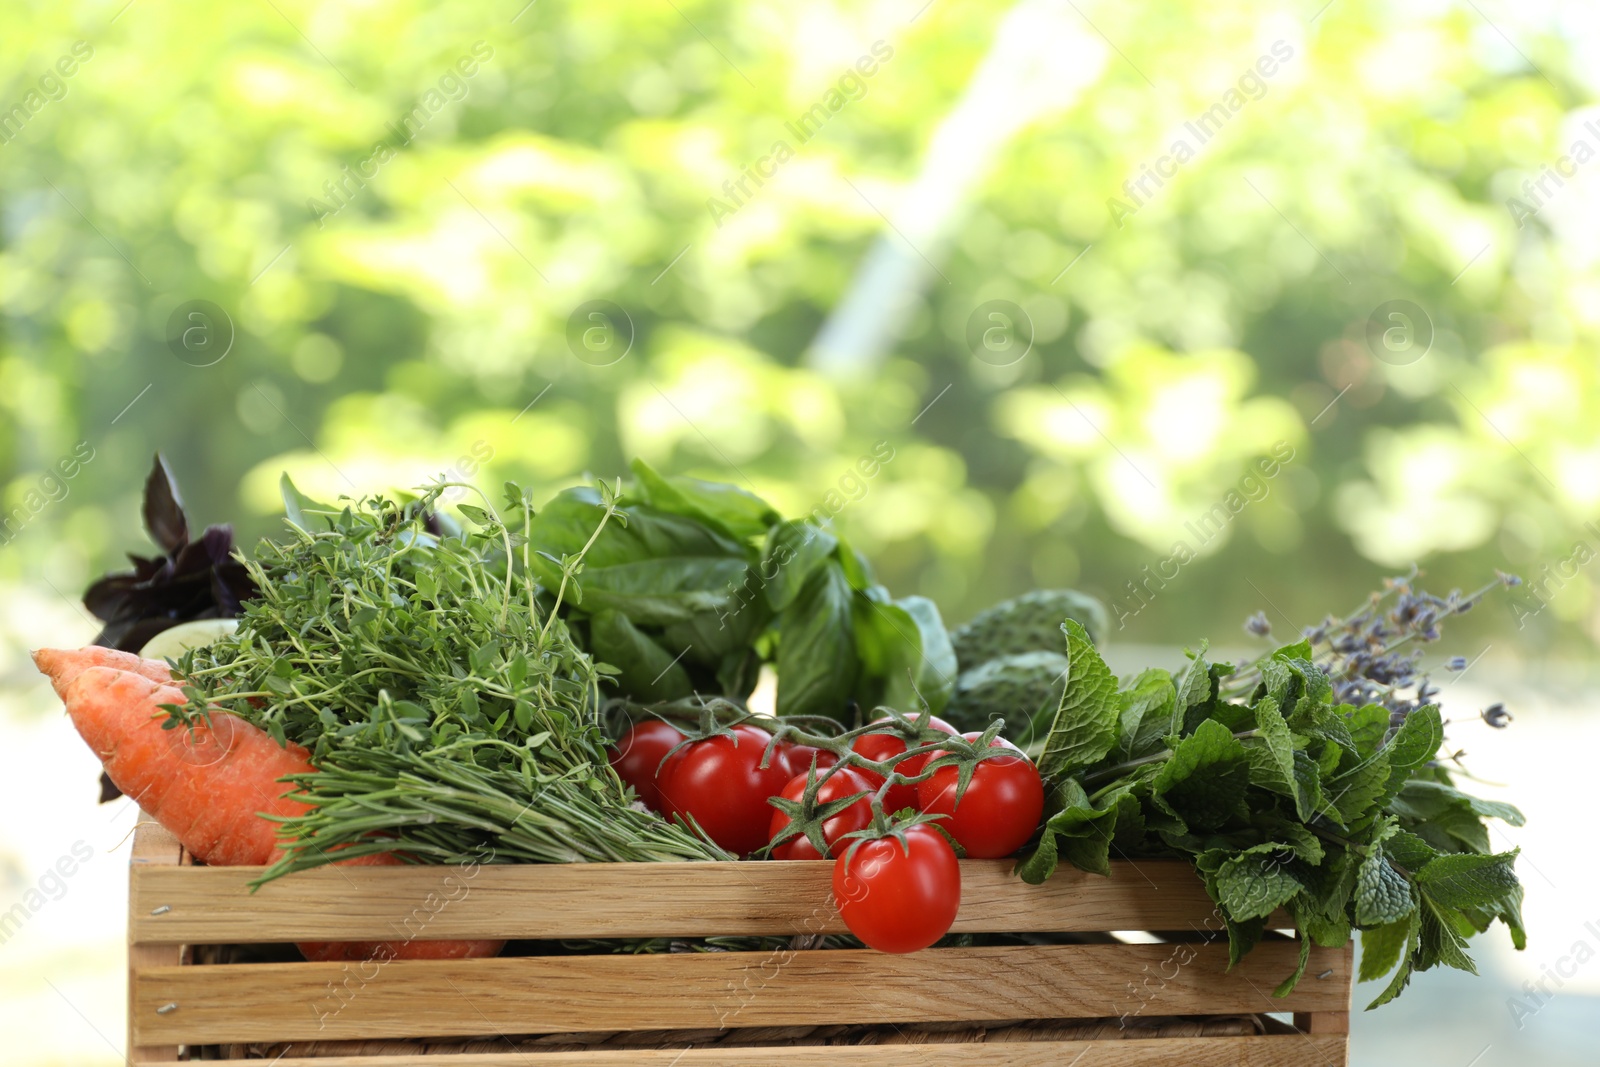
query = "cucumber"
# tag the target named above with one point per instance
(1014, 688)
(1028, 623)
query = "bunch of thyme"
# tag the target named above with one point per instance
(443, 700)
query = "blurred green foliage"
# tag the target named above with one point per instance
(191, 156)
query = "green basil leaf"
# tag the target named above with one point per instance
(646, 671)
(817, 665)
(729, 509)
(794, 552)
(658, 569)
(917, 656)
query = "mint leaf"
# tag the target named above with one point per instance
(1423, 799)
(1355, 793)
(1367, 725)
(1306, 845)
(1416, 742)
(1301, 650)
(1397, 984)
(1440, 942)
(1279, 770)
(1075, 810)
(1330, 724)
(1242, 937)
(1037, 866)
(1410, 852)
(1383, 895)
(1256, 882)
(1145, 714)
(1081, 832)
(1307, 784)
(1381, 947)
(1510, 913)
(1287, 985)
(1466, 881)
(1277, 677)
(1203, 783)
(1329, 931)
(1195, 685)
(1089, 847)
(1315, 689)
(1085, 726)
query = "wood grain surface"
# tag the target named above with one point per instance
(1277, 1051)
(214, 905)
(530, 995)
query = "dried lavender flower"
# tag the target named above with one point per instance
(1374, 654)
(1497, 716)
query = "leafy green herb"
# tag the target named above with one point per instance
(1085, 724)
(706, 582)
(442, 696)
(1284, 798)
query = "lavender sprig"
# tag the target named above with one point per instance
(1373, 655)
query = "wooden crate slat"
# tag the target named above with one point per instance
(153, 847)
(1330, 1022)
(213, 905)
(293, 1001)
(1281, 1051)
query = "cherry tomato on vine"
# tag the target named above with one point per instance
(899, 897)
(878, 747)
(1000, 809)
(798, 757)
(637, 757)
(855, 817)
(720, 782)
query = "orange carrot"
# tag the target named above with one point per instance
(209, 786)
(63, 665)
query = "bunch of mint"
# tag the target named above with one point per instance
(1286, 799)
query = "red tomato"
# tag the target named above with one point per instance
(637, 757)
(855, 817)
(879, 747)
(798, 757)
(1000, 809)
(899, 897)
(720, 782)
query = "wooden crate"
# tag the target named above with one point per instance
(798, 1007)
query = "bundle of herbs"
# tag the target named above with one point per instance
(1289, 797)
(705, 582)
(440, 693)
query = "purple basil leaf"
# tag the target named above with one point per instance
(108, 789)
(230, 587)
(105, 596)
(218, 542)
(163, 508)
